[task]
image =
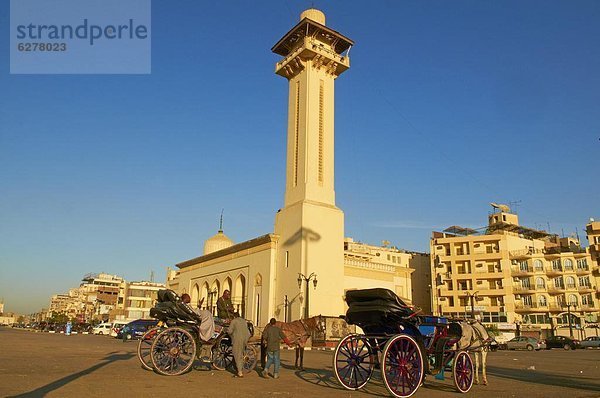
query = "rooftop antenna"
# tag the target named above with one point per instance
(151, 276)
(514, 204)
(221, 222)
(577, 234)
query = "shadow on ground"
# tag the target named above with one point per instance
(580, 383)
(42, 391)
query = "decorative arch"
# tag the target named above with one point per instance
(204, 295)
(195, 295)
(227, 284)
(542, 301)
(257, 299)
(568, 263)
(538, 264)
(570, 282)
(239, 297)
(540, 282)
(572, 299)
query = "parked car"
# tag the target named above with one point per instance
(116, 326)
(561, 342)
(590, 342)
(103, 328)
(525, 343)
(136, 329)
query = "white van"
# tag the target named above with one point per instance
(116, 326)
(103, 328)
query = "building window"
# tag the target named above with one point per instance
(582, 263)
(540, 283)
(321, 132)
(572, 299)
(527, 300)
(568, 264)
(539, 266)
(556, 265)
(570, 282)
(523, 266)
(542, 301)
(584, 281)
(287, 259)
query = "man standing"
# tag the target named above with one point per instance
(271, 338)
(238, 330)
(225, 306)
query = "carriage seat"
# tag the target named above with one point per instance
(170, 307)
(375, 307)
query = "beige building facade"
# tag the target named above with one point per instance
(514, 277)
(267, 275)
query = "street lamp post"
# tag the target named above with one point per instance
(286, 304)
(307, 279)
(471, 297)
(569, 305)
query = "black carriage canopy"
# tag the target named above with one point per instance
(169, 306)
(374, 307)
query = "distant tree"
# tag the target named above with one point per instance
(59, 317)
(21, 319)
(492, 330)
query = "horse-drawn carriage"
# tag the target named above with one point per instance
(173, 346)
(399, 341)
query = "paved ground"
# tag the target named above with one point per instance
(42, 364)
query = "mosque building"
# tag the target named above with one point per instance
(270, 274)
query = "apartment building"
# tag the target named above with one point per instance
(518, 278)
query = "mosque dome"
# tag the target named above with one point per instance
(313, 14)
(217, 242)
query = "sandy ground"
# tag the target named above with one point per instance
(55, 365)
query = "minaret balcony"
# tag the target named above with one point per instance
(311, 49)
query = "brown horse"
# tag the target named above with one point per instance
(297, 334)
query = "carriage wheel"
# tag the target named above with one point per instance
(353, 361)
(402, 366)
(463, 372)
(222, 355)
(250, 359)
(173, 351)
(144, 348)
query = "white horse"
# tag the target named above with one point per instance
(476, 340)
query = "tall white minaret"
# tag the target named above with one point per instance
(310, 226)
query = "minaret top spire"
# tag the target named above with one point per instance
(221, 221)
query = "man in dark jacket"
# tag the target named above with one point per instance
(271, 338)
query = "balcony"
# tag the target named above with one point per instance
(587, 307)
(516, 271)
(556, 289)
(582, 271)
(554, 271)
(534, 307)
(586, 289)
(523, 289)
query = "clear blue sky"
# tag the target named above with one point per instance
(447, 107)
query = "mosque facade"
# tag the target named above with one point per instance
(270, 275)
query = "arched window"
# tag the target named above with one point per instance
(204, 295)
(540, 283)
(195, 295)
(542, 301)
(538, 264)
(570, 282)
(239, 294)
(572, 299)
(568, 264)
(227, 284)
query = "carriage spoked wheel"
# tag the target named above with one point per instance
(402, 366)
(173, 351)
(144, 347)
(353, 361)
(250, 359)
(222, 355)
(463, 372)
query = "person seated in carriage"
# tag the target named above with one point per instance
(207, 324)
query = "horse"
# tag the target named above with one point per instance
(297, 334)
(474, 338)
